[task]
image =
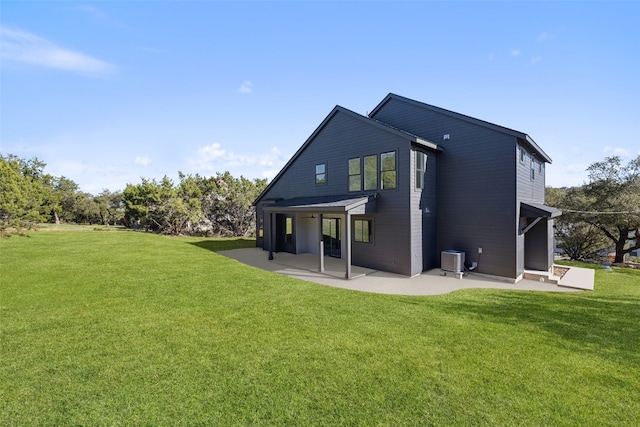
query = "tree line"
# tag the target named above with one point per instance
(601, 215)
(219, 205)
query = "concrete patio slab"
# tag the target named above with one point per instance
(305, 267)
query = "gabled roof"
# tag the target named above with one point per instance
(526, 139)
(372, 122)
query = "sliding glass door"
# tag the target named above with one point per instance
(331, 237)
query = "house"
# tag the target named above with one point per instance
(392, 190)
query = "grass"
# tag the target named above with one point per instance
(125, 328)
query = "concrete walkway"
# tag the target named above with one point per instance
(305, 267)
(578, 278)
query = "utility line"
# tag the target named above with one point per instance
(602, 213)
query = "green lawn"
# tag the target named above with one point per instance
(125, 328)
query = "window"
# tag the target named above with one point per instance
(421, 168)
(533, 169)
(371, 172)
(362, 230)
(388, 170)
(321, 173)
(522, 154)
(355, 181)
(260, 226)
(288, 232)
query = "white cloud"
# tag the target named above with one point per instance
(490, 57)
(543, 37)
(514, 52)
(214, 158)
(143, 161)
(270, 174)
(22, 46)
(616, 151)
(536, 59)
(246, 87)
(566, 175)
(211, 153)
(91, 10)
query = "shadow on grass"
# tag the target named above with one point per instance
(603, 326)
(216, 245)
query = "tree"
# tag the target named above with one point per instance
(228, 204)
(163, 207)
(578, 240)
(612, 203)
(63, 199)
(24, 188)
(85, 209)
(110, 207)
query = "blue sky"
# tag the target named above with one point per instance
(107, 92)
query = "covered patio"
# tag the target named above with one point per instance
(297, 226)
(304, 267)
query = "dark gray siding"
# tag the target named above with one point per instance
(344, 137)
(530, 189)
(476, 183)
(535, 242)
(531, 252)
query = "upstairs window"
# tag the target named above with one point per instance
(421, 169)
(321, 173)
(355, 175)
(533, 168)
(522, 154)
(388, 170)
(371, 172)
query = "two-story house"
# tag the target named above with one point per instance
(391, 191)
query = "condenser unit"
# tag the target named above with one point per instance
(452, 262)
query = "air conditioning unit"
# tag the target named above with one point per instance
(452, 261)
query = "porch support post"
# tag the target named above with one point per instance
(347, 239)
(272, 234)
(321, 248)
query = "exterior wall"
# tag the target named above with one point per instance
(423, 216)
(529, 190)
(307, 231)
(391, 247)
(344, 137)
(476, 180)
(536, 248)
(529, 255)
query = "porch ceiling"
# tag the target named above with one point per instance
(326, 204)
(537, 210)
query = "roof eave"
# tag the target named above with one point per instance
(537, 149)
(297, 153)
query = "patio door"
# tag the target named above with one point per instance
(285, 236)
(331, 237)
